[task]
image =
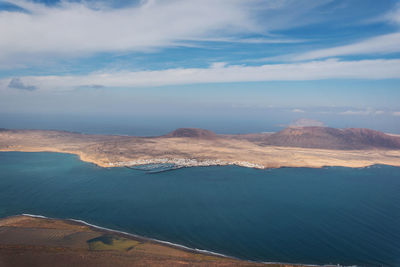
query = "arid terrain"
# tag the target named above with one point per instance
(292, 147)
(28, 241)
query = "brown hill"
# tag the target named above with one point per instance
(192, 133)
(332, 138)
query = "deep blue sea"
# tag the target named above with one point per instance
(300, 215)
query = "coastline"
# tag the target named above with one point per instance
(167, 243)
(164, 243)
(120, 151)
(191, 162)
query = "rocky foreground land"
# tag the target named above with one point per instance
(293, 147)
(29, 241)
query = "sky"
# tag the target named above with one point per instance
(226, 65)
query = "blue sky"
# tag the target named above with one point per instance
(269, 62)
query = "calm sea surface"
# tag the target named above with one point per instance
(330, 215)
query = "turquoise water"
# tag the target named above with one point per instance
(329, 215)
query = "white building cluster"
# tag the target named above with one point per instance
(185, 163)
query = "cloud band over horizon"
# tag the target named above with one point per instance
(221, 73)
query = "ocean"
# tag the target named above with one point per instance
(334, 215)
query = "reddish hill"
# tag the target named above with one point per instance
(192, 133)
(331, 138)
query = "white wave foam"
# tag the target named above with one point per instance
(165, 242)
(134, 235)
(35, 216)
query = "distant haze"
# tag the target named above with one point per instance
(306, 122)
(152, 125)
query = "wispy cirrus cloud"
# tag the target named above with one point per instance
(356, 112)
(377, 45)
(77, 28)
(384, 44)
(393, 15)
(368, 111)
(83, 28)
(222, 73)
(269, 40)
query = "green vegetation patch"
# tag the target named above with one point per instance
(111, 242)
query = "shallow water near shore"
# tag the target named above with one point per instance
(300, 215)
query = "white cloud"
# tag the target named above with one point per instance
(368, 111)
(356, 112)
(297, 110)
(394, 15)
(383, 44)
(396, 113)
(378, 45)
(222, 73)
(251, 40)
(78, 29)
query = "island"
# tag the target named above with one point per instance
(312, 147)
